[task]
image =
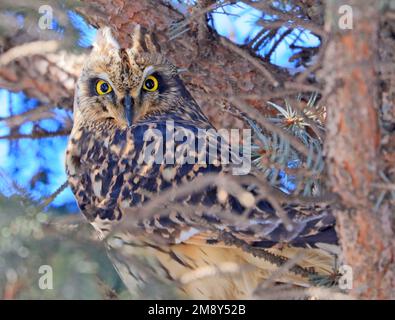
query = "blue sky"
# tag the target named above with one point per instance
(240, 25)
(47, 155)
(30, 156)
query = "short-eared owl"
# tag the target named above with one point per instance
(202, 240)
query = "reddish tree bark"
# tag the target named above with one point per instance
(352, 149)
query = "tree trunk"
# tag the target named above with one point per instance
(353, 149)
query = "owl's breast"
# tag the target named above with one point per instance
(111, 171)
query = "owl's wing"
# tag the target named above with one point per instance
(207, 208)
(135, 179)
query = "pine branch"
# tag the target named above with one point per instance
(37, 135)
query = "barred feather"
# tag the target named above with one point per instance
(193, 234)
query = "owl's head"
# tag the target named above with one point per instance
(125, 85)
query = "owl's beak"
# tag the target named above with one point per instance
(129, 109)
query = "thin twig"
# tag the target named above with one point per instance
(279, 272)
(48, 200)
(255, 62)
(37, 135)
(29, 49)
(38, 113)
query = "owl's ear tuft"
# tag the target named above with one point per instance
(105, 41)
(143, 41)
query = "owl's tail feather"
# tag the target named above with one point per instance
(224, 272)
(199, 270)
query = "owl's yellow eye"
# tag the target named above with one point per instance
(151, 84)
(103, 87)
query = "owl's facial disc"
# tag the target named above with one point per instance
(126, 104)
(125, 85)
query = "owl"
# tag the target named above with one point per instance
(172, 216)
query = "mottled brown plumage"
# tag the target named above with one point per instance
(192, 238)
